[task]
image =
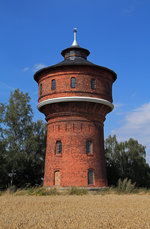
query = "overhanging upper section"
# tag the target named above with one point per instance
(75, 99)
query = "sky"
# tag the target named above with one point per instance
(117, 33)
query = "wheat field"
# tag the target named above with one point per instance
(75, 212)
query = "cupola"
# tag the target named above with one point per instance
(75, 51)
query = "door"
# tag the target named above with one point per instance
(57, 178)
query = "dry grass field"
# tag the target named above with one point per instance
(75, 212)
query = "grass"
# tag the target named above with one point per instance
(77, 191)
(72, 211)
(124, 187)
(37, 191)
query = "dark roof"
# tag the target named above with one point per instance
(75, 61)
(80, 49)
(74, 56)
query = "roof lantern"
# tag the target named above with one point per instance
(75, 51)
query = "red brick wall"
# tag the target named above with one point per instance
(74, 162)
(83, 77)
(73, 123)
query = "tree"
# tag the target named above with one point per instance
(126, 159)
(112, 165)
(18, 121)
(32, 164)
(25, 141)
(3, 161)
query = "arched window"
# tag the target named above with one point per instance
(53, 84)
(88, 146)
(40, 89)
(58, 147)
(73, 82)
(90, 177)
(107, 88)
(93, 85)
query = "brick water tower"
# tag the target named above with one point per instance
(75, 95)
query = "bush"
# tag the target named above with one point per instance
(125, 186)
(77, 191)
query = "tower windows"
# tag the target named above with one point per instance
(93, 84)
(107, 88)
(58, 147)
(40, 89)
(88, 146)
(73, 82)
(53, 84)
(90, 177)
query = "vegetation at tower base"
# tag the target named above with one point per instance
(22, 143)
(23, 146)
(126, 160)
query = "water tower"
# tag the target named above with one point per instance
(75, 95)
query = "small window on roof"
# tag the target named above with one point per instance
(53, 86)
(73, 82)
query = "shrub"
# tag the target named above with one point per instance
(125, 186)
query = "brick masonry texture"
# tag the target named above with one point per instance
(73, 123)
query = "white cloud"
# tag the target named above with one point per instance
(37, 67)
(26, 69)
(137, 126)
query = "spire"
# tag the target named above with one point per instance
(75, 43)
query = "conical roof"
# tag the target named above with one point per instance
(74, 55)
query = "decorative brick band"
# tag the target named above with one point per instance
(76, 99)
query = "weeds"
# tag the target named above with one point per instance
(103, 191)
(125, 186)
(37, 191)
(77, 191)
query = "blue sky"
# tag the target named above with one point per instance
(33, 33)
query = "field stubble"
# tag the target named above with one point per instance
(75, 212)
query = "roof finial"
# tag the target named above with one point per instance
(75, 43)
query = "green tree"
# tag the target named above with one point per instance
(25, 141)
(126, 159)
(18, 119)
(31, 169)
(3, 152)
(111, 151)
